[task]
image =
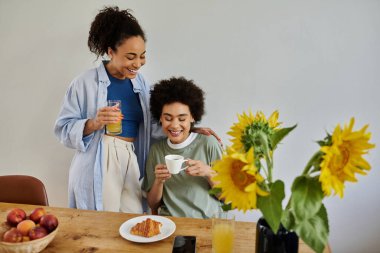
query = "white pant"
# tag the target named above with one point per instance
(121, 185)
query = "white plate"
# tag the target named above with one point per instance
(167, 228)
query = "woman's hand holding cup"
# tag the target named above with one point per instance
(162, 173)
(107, 115)
(198, 168)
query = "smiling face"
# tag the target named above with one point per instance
(127, 59)
(176, 121)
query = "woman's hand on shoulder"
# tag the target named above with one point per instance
(207, 131)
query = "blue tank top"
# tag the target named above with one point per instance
(130, 105)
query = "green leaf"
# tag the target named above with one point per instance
(279, 135)
(271, 205)
(327, 141)
(215, 191)
(314, 231)
(306, 197)
(321, 143)
(287, 219)
(227, 207)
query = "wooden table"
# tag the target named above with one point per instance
(93, 231)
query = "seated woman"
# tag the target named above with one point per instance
(178, 104)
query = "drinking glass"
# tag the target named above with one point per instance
(223, 232)
(114, 128)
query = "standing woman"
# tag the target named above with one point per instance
(105, 172)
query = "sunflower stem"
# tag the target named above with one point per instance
(264, 142)
(270, 173)
(310, 164)
(264, 169)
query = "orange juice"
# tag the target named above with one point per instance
(222, 237)
(114, 128)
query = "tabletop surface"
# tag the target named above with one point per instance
(95, 231)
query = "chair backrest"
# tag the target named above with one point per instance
(22, 189)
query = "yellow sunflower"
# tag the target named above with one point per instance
(248, 125)
(238, 179)
(344, 158)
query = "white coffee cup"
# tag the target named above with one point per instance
(174, 163)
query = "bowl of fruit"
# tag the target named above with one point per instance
(27, 234)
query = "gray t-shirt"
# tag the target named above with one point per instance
(185, 195)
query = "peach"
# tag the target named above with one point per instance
(49, 221)
(37, 233)
(25, 225)
(25, 239)
(15, 216)
(12, 235)
(36, 214)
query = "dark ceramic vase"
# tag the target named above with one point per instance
(268, 242)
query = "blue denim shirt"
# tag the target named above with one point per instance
(85, 95)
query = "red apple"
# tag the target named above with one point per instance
(15, 216)
(49, 221)
(37, 233)
(36, 214)
(12, 235)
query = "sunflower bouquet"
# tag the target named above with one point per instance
(244, 175)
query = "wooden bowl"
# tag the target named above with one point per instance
(33, 246)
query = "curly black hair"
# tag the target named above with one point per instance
(110, 28)
(177, 90)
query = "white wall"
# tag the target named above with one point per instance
(317, 62)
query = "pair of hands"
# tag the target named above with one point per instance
(195, 168)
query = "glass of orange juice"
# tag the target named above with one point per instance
(223, 232)
(114, 128)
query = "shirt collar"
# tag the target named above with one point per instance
(184, 144)
(102, 74)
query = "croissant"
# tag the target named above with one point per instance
(146, 228)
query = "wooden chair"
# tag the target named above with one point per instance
(22, 189)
